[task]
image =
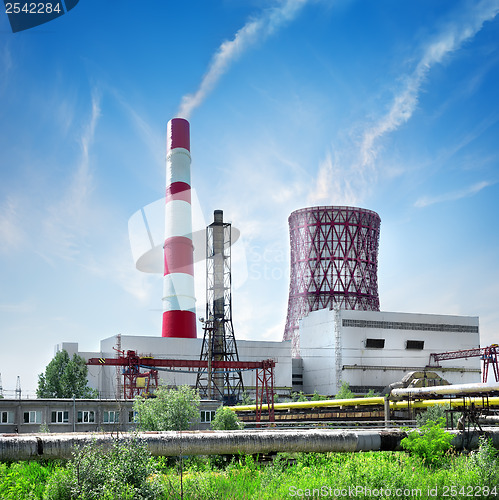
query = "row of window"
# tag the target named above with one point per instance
(82, 417)
(62, 417)
(417, 345)
(398, 325)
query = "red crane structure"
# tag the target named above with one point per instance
(139, 382)
(487, 354)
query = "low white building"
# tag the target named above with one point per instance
(104, 378)
(371, 350)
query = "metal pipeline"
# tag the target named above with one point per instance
(336, 403)
(61, 446)
(443, 390)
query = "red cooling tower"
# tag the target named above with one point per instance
(179, 317)
(334, 261)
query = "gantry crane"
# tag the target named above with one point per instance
(487, 354)
(137, 382)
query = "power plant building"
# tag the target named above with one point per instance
(372, 349)
(106, 378)
(334, 331)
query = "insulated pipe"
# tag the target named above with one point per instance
(337, 403)
(62, 446)
(317, 404)
(442, 390)
(179, 316)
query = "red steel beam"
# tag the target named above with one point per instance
(180, 363)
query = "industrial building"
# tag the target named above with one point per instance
(334, 333)
(79, 415)
(373, 349)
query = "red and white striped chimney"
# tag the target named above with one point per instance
(179, 316)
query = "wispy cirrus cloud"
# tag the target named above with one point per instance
(360, 172)
(425, 201)
(12, 235)
(254, 31)
(67, 218)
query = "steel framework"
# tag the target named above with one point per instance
(132, 363)
(334, 261)
(219, 343)
(487, 354)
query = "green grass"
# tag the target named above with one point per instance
(302, 475)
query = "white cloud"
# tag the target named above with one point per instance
(362, 169)
(68, 218)
(12, 234)
(254, 31)
(452, 196)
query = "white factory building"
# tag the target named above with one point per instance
(366, 349)
(104, 378)
(372, 349)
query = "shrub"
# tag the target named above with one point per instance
(24, 480)
(171, 409)
(123, 470)
(430, 442)
(298, 396)
(434, 413)
(226, 420)
(345, 392)
(485, 461)
(317, 397)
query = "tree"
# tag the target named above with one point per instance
(64, 378)
(169, 409)
(226, 420)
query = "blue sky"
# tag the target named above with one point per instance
(385, 105)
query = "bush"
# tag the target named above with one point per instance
(24, 480)
(430, 442)
(123, 470)
(170, 409)
(298, 397)
(486, 462)
(434, 413)
(226, 420)
(345, 392)
(317, 397)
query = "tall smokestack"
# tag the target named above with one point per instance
(179, 317)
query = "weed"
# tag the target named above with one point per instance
(430, 442)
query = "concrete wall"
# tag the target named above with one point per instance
(335, 348)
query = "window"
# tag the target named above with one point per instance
(32, 417)
(132, 417)
(60, 417)
(111, 417)
(414, 344)
(375, 343)
(7, 417)
(207, 416)
(86, 417)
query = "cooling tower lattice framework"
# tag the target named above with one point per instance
(334, 262)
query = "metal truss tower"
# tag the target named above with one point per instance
(334, 262)
(219, 343)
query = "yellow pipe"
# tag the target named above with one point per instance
(365, 401)
(316, 404)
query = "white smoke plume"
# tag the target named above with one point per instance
(255, 30)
